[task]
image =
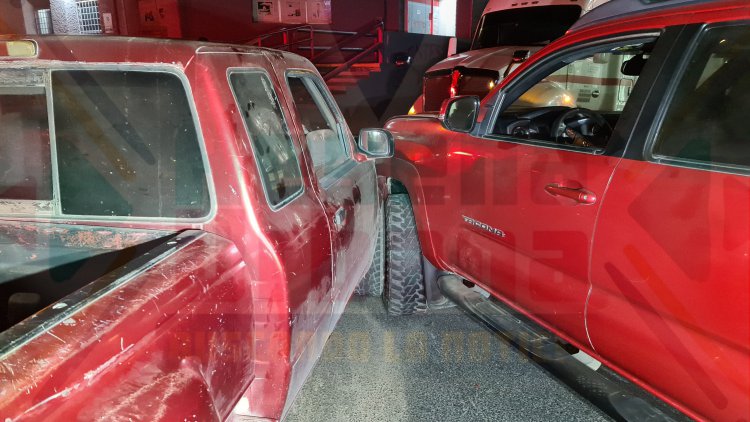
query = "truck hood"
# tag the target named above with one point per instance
(496, 58)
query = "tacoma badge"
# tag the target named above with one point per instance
(483, 226)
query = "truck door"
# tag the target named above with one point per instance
(279, 203)
(347, 188)
(670, 269)
(530, 195)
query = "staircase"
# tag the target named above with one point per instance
(348, 79)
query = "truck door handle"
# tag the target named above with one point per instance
(339, 218)
(579, 195)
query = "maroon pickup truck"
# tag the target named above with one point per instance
(619, 223)
(181, 226)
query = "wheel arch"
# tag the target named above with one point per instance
(402, 177)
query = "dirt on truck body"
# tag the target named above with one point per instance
(181, 226)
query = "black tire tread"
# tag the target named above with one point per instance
(404, 292)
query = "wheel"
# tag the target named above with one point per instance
(404, 292)
(372, 283)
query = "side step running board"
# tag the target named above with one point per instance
(618, 398)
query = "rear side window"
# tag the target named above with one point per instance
(25, 160)
(706, 120)
(127, 145)
(271, 142)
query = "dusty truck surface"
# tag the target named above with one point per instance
(507, 34)
(181, 226)
(608, 237)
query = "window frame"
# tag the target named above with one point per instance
(30, 207)
(664, 106)
(38, 207)
(263, 72)
(509, 94)
(339, 171)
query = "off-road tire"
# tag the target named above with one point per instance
(372, 283)
(404, 292)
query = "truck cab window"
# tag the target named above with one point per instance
(580, 102)
(127, 145)
(271, 142)
(324, 136)
(525, 26)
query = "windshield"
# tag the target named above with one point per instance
(526, 26)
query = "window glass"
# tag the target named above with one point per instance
(525, 26)
(706, 118)
(25, 163)
(322, 133)
(269, 135)
(127, 145)
(580, 103)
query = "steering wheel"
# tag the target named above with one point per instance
(584, 121)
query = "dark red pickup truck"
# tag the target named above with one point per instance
(621, 223)
(181, 226)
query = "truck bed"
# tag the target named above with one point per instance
(42, 263)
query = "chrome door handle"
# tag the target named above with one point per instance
(579, 195)
(339, 218)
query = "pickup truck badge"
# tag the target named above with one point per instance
(483, 226)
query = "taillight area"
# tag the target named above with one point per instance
(455, 80)
(441, 85)
(436, 88)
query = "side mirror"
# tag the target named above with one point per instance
(376, 143)
(459, 114)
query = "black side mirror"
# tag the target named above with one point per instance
(376, 143)
(459, 114)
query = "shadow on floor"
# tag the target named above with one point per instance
(439, 366)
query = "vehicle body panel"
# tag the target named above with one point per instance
(146, 349)
(676, 281)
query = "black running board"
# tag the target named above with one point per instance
(616, 397)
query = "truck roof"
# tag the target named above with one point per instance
(622, 8)
(495, 5)
(114, 49)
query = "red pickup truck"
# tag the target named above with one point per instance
(620, 224)
(181, 226)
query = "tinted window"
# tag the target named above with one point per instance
(127, 145)
(706, 120)
(269, 134)
(322, 133)
(525, 26)
(25, 163)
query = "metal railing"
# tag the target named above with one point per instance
(289, 39)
